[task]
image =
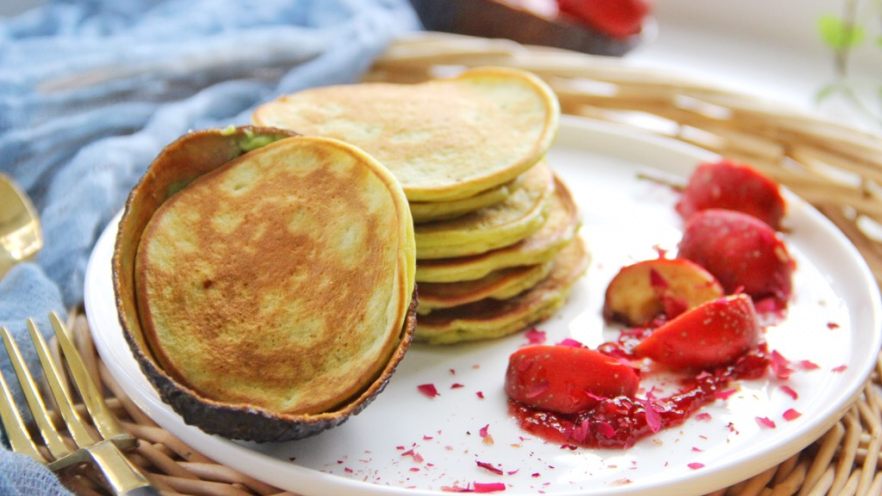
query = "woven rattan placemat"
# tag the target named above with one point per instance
(836, 168)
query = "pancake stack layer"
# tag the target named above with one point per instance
(496, 229)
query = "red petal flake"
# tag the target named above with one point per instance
(780, 366)
(580, 432)
(429, 390)
(479, 394)
(485, 434)
(790, 414)
(695, 465)
(489, 466)
(789, 391)
(696, 449)
(832, 325)
(571, 343)
(724, 395)
(489, 487)
(606, 429)
(535, 336)
(765, 422)
(839, 369)
(456, 385)
(808, 365)
(653, 419)
(703, 416)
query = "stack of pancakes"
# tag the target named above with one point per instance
(495, 227)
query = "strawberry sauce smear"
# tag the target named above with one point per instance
(622, 421)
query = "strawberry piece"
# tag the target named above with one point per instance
(733, 186)
(714, 333)
(740, 251)
(566, 379)
(642, 291)
(617, 18)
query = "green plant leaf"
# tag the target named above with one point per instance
(839, 35)
(827, 91)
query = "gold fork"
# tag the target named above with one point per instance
(101, 447)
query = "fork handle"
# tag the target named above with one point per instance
(124, 479)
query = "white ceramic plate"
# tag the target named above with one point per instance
(624, 218)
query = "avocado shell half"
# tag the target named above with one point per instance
(187, 158)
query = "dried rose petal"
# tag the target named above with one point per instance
(839, 369)
(535, 336)
(456, 385)
(606, 429)
(789, 391)
(832, 325)
(489, 466)
(808, 365)
(703, 416)
(570, 342)
(429, 390)
(488, 487)
(653, 419)
(580, 432)
(791, 414)
(695, 465)
(413, 454)
(780, 366)
(765, 422)
(485, 435)
(696, 449)
(479, 394)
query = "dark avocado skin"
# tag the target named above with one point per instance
(253, 424)
(192, 155)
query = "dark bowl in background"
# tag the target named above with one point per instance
(493, 19)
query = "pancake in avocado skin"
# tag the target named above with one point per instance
(433, 211)
(488, 319)
(521, 214)
(280, 280)
(561, 225)
(444, 139)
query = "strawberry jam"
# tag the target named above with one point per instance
(622, 421)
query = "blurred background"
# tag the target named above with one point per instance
(803, 52)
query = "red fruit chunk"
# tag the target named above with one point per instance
(642, 291)
(733, 186)
(617, 18)
(566, 379)
(740, 251)
(714, 333)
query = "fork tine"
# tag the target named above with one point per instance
(50, 434)
(63, 401)
(16, 431)
(106, 423)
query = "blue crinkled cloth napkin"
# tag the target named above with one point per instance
(91, 90)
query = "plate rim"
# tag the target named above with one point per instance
(708, 479)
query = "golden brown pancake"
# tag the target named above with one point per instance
(499, 285)
(560, 227)
(489, 318)
(433, 211)
(444, 139)
(280, 280)
(521, 214)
